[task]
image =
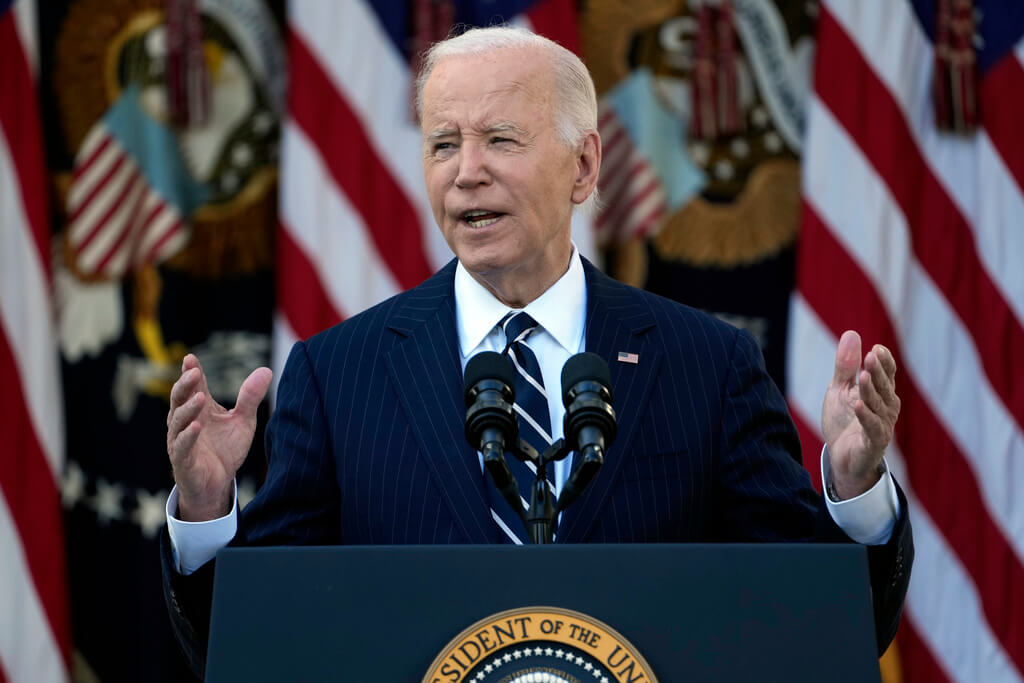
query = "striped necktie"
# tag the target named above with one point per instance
(531, 407)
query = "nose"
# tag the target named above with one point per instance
(473, 170)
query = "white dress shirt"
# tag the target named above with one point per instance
(561, 314)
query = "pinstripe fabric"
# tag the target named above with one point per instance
(366, 444)
(367, 437)
(367, 441)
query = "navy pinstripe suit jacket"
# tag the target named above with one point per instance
(366, 442)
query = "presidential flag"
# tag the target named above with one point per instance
(165, 198)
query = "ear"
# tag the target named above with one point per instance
(588, 166)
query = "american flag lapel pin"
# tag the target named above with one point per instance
(628, 357)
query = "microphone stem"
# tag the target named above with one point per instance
(540, 518)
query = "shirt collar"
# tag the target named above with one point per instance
(559, 310)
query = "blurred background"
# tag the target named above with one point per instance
(223, 177)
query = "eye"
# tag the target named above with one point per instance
(497, 139)
(442, 149)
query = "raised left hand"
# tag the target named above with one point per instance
(859, 414)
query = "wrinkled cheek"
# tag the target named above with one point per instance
(436, 200)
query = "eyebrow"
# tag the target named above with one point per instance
(441, 133)
(502, 127)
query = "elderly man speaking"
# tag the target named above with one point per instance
(366, 443)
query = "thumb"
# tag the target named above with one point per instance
(252, 391)
(847, 359)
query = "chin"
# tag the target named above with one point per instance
(483, 258)
(480, 265)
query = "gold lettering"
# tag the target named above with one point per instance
(471, 657)
(523, 621)
(447, 670)
(457, 661)
(485, 640)
(625, 655)
(499, 631)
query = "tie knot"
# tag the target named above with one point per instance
(517, 326)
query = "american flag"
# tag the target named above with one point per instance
(356, 226)
(646, 173)
(632, 194)
(129, 193)
(35, 641)
(626, 357)
(913, 236)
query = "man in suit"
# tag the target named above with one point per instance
(366, 443)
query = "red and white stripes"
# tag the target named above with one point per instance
(632, 193)
(356, 226)
(912, 236)
(350, 236)
(116, 220)
(35, 630)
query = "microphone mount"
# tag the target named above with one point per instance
(491, 427)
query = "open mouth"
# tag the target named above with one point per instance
(479, 218)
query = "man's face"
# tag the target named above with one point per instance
(500, 181)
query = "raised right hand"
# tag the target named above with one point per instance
(207, 443)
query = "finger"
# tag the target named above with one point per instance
(184, 388)
(252, 391)
(194, 363)
(881, 381)
(877, 431)
(189, 361)
(847, 358)
(184, 416)
(181, 448)
(886, 358)
(869, 393)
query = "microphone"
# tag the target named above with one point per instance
(590, 423)
(490, 418)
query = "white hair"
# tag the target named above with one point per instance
(575, 95)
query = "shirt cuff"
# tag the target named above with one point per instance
(870, 517)
(193, 544)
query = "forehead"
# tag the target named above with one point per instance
(472, 88)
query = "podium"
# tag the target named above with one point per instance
(716, 612)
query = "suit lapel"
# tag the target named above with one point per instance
(617, 321)
(426, 372)
(427, 375)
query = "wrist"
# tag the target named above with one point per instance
(840, 488)
(191, 510)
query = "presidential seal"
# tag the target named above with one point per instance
(539, 645)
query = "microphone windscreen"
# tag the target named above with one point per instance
(489, 365)
(584, 367)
